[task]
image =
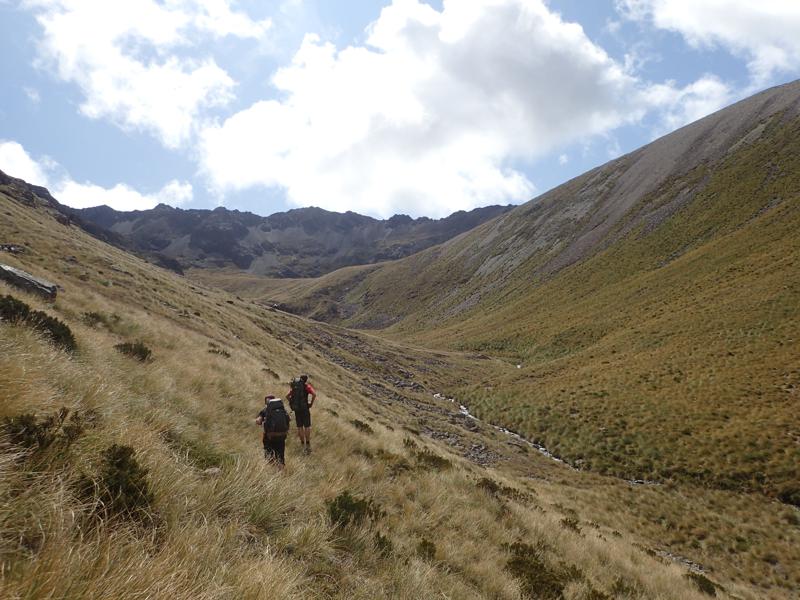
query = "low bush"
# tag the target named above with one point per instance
(571, 524)
(28, 431)
(790, 494)
(346, 510)
(121, 488)
(135, 350)
(497, 490)
(362, 427)
(16, 311)
(537, 578)
(426, 549)
(428, 460)
(703, 583)
(93, 319)
(214, 349)
(383, 544)
(490, 486)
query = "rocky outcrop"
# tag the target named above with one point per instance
(304, 242)
(28, 282)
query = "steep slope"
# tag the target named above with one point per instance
(653, 306)
(404, 497)
(304, 242)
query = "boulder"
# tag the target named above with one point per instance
(28, 282)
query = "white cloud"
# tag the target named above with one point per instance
(429, 115)
(765, 32)
(32, 94)
(563, 159)
(16, 162)
(123, 56)
(121, 196)
(680, 106)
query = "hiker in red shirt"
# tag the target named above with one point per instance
(301, 398)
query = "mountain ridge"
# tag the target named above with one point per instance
(563, 226)
(301, 242)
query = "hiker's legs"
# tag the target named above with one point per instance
(274, 450)
(303, 420)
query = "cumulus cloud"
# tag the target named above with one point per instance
(680, 106)
(765, 33)
(121, 196)
(17, 162)
(123, 56)
(430, 115)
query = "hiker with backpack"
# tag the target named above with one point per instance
(301, 398)
(275, 420)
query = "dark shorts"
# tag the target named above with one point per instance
(302, 418)
(275, 448)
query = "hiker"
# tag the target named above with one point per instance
(301, 398)
(275, 420)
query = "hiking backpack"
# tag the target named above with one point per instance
(299, 397)
(277, 419)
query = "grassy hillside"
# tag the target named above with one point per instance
(673, 354)
(106, 490)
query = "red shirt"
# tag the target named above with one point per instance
(309, 390)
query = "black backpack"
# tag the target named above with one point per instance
(276, 419)
(299, 397)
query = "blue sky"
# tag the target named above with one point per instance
(377, 107)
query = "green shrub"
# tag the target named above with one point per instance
(135, 350)
(27, 431)
(121, 488)
(16, 311)
(790, 494)
(13, 310)
(214, 349)
(537, 578)
(383, 545)
(429, 460)
(426, 549)
(93, 319)
(362, 427)
(571, 524)
(490, 486)
(703, 583)
(346, 510)
(495, 489)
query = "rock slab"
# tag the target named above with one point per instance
(28, 282)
